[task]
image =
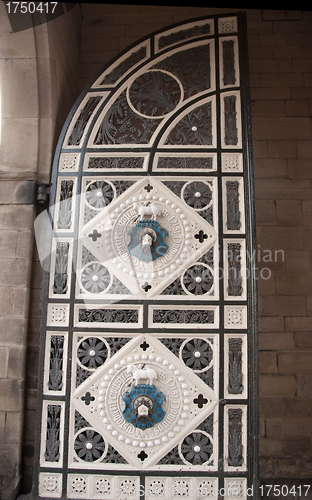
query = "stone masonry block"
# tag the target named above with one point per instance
(297, 108)
(277, 238)
(25, 242)
(5, 300)
(285, 305)
(272, 40)
(271, 93)
(303, 340)
(298, 260)
(304, 149)
(2, 425)
(6, 192)
(297, 427)
(266, 281)
(295, 362)
(11, 395)
(260, 149)
(20, 301)
(294, 282)
(270, 169)
(273, 428)
(282, 128)
(276, 341)
(14, 217)
(37, 275)
(277, 385)
(305, 237)
(24, 193)
(288, 467)
(13, 428)
(265, 212)
(299, 169)
(18, 79)
(101, 30)
(35, 308)
(285, 407)
(14, 272)
(8, 242)
(270, 189)
(268, 108)
(295, 323)
(282, 149)
(7, 466)
(284, 447)
(304, 385)
(24, 132)
(4, 360)
(267, 362)
(271, 324)
(13, 331)
(268, 65)
(16, 368)
(288, 80)
(302, 93)
(288, 213)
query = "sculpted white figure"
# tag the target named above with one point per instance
(138, 373)
(152, 209)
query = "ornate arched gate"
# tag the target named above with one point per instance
(149, 366)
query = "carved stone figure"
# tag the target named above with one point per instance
(152, 209)
(147, 238)
(139, 373)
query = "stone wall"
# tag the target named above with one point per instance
(38, 88)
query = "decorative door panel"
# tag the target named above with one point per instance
(148, 366)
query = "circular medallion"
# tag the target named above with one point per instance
(143, 401)
(155, 93)
(148, 237)
(143, 406)
(99, 194)
(197, 194)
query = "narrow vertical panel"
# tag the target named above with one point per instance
(55, 364)
(235, 438)
(233, 205)
(52, 444)
(231, 120)
(65, 201)
(60, 276)
(235, 366)
(229, 64)
(82, 120)
(235, 269)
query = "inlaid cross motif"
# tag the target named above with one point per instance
(201, 236)
(87, 398)
(200, 401)
(144, 345)
(94, 235)
(146, 287)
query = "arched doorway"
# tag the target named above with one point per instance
(149, 365)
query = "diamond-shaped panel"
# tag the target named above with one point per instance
(147, 237)
(144, 362)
